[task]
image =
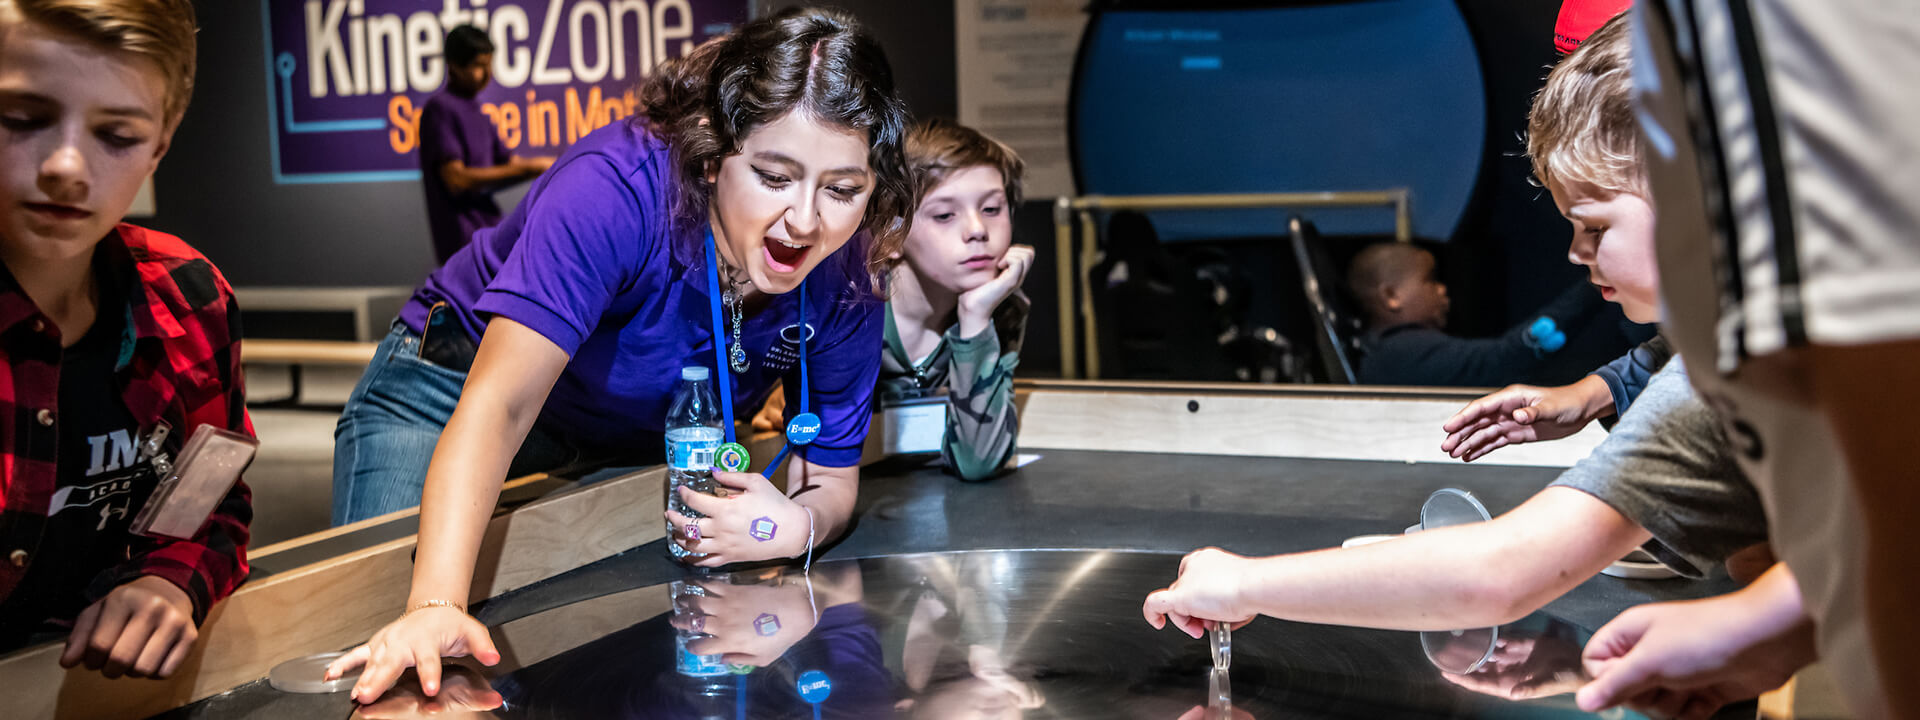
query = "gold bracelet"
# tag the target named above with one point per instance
(424, 604)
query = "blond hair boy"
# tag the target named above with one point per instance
(116, 342)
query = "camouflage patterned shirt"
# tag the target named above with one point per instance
(977, 375)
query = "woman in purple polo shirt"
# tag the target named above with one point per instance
(566, 326)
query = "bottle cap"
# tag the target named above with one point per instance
(695, 373)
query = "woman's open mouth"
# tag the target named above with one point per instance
(783, 256)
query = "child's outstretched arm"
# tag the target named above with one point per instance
(1467, 576)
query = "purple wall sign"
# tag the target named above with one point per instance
(346, 78)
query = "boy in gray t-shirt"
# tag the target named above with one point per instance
(1668, 467)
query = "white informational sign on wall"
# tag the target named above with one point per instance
(1015, 63)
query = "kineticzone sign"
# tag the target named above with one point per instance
(347, 78)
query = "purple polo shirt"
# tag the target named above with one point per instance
(590, 261)
(454, 128)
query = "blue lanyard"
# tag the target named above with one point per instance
(724, 377)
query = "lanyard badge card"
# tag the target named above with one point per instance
(210, 463)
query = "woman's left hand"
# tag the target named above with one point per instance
(754, 522)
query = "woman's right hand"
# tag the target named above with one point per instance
(464, 693)
(417, 640)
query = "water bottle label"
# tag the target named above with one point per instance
(691, 665)
(694, 457)
(694, 452)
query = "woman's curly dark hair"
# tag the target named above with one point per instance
(814, 60)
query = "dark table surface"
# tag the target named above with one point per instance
(1080, 500)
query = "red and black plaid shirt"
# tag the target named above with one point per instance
(184, 370)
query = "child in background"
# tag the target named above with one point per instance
(1406, 341)
(116, 342)
(462, 160)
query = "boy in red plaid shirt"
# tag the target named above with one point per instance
(111, 336)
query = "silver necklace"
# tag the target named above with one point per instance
(737, 353)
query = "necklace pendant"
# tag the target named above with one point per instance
(737, 357)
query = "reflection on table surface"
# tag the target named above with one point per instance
(991, 634)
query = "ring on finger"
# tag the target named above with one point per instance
(693, 530)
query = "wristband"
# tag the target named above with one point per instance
(809, 564)
(424, 604)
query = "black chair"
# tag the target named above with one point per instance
(1159, 316)
(1336, 321)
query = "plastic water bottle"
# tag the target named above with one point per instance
(693, 435)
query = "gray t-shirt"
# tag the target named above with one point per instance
(1667, 466)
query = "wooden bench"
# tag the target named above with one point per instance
(296, 354)
(346, 313)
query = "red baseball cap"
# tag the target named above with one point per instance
(1579, 18)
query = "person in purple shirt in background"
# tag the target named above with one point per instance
(462, 161)
(562, 332)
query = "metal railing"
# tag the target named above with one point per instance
(1072, 266)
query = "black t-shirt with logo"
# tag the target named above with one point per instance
(104, 480)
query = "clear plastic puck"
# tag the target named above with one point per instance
(308, 675)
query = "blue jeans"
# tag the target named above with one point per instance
(392, 421)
